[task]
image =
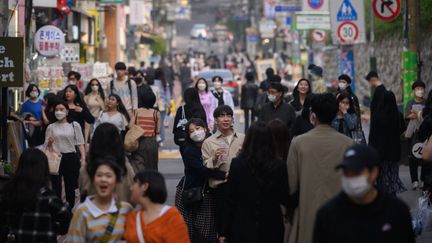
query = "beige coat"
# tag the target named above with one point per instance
(311, 162)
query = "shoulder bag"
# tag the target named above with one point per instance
(131, 140)
(111, 225)
(192, 195)
(138, 228)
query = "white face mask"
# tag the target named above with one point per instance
(198, 135)
(271, 98)
(419, 93)
(202, 87)
(95, 88)
(34, 94)
(60, 115)
(217, 85)
(356, 187)
(342, 86)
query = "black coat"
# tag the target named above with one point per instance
(253, 212)
(196, 174)
(386, 220)
(385, 130)
(249, 93)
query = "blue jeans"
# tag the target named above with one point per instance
(162, 127)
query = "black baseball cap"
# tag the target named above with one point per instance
(345, 77)
(359, 157)
(371, 74)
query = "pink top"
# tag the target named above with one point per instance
(209, 103)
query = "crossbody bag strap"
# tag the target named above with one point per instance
(138, 227)
(183, 113)
(111, 225)
(76, 141)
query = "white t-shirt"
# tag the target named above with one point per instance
(66, 136)
(117, 119)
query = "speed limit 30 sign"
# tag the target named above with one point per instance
(348, 32)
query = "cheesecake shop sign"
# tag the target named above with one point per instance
(11, 61)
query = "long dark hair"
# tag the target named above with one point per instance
(31, 175)
(106, 141)
(345, 95)
(258, 151)
(121, 108)
(281, 136)
(296, 102)
(196, 122)
(88, 89)
(77, 100)
(51, 100)
(192, 102)
(159, 75)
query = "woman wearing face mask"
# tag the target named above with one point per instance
(197, 215)
(344, 85)
(34, 105)
(100, 218)
(346, 120)
(95, 100)
(64, 137)
(301, 90)
(223, 96)
(207, 99)
(78, 110)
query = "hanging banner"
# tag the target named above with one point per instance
(346, 64)
(11, 61)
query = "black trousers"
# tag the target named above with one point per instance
(69, 171)
(249, 115)
(220, 197)
(413, 166)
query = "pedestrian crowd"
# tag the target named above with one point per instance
(301, 173)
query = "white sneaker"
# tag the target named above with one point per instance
(415, 185)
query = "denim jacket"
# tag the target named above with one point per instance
(349, 123)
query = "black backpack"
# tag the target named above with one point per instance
(129, 86)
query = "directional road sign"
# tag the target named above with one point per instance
(386, 10)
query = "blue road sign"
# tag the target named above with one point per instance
(287, 8)
(315, 4)
(346, 12)
(288, 21)
(252, 38)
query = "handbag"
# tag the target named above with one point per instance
(138, 228)
(192, 195)
(415, 152)
(111, 225)
(131, 140)
(54, 159)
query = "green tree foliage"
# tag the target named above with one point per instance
(159, 45)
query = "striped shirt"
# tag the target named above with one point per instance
(148, 123)
(89, 222)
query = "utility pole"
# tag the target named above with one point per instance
(4, 17)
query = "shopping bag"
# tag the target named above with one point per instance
(422, 215)
(54, 159)
(131, 141)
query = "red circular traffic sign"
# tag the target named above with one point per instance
(348, 32)
(315, 4)
(386, 10)
(319, 35)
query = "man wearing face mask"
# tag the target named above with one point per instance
(413, 113)
(223, 96)
(362, 213)
(277, 108)
(73, 78)
(312, 158)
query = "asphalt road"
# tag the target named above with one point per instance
(171, 165)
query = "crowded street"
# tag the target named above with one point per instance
(200, 121)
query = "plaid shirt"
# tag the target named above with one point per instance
(50, 217)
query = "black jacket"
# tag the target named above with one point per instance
(81, 117)
(196, 173)
(386, 220)
(284, 112)
(249, 93)
(253, 212)
(385, 131)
